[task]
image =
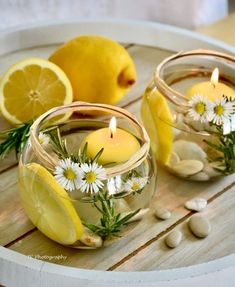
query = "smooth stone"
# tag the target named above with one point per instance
(162, 213)
(199, 226)
(211, 169)
(139, 216)
(179, 129)
(197, 204)
(201, 176)
(185, 168)
(173, 239)
(174, 159)
(189, 150)
(197, 125)
(91, 239)
(176, 132)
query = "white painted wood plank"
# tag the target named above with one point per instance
(13, 220)
(171, 193)
(192, 250)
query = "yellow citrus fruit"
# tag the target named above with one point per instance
(31, 87)
(99, 69)
(48, 205)
(158, 122)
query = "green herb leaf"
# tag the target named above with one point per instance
(14, 139)
(110, 222)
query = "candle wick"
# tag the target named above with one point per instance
(111, 135)
(213, 84)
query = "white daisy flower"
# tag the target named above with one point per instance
(43, 139)
(114, 185)
(199, 108)
(68, 174)
(220, 111)
(226, 127)
(229, 125)
(233, 123)
(92, 177)
(135, 184)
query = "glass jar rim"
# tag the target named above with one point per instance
(121, 168)
(171, 94)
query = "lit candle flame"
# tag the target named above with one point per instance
(215, 77)
(113, 126)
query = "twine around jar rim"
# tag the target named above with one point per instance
(50, 163)
(165, 89)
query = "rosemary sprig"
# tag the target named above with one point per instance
(15, 138)
(110, 222)
(58, 144)
(226, 146)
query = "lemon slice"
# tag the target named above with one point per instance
(157, 119)
(48, 205)
(30, 88)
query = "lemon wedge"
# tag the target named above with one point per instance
(48, 205)
(31, 87)
(157, 119)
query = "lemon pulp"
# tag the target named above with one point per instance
(48, 205)
(31, 87)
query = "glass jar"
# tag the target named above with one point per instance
(73, 198)
(191, 125)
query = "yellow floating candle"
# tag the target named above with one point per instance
(118, 144)
(212, 90)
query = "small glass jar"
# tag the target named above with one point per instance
(73, 199)
(189, 142)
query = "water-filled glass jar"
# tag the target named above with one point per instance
(191, 125)
(74, 198)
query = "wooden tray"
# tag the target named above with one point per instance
(27, 258)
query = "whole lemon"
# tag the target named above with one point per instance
(99, 69)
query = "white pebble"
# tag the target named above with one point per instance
(201, 176)
(199, 226)
(196, 204)
(189, 150)
(212, 169)
(173, 239)
(162, 213)
(197, 125)
(180, 129)
(173, 159)
(186, 168)
(91, 239)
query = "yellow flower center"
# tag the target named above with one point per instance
(200, 108)
(40, 140)
(219, 110)
(90, 177)
(69, 174)
(135, 186)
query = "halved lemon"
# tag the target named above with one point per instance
(157, 119)
(48, 205)
(31, 87)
